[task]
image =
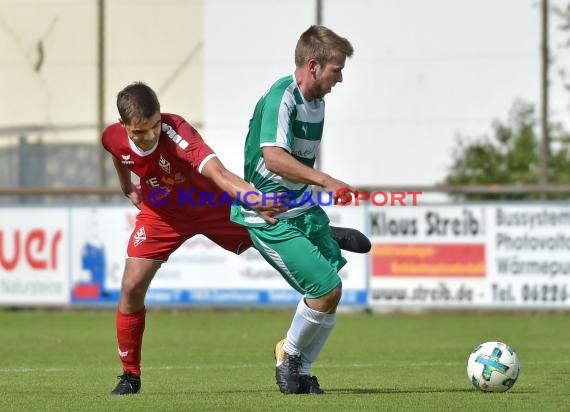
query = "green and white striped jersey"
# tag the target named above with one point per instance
(282, 118)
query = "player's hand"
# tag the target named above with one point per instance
(268, 208)
(342, 192)
(269, 217)
(134, 194)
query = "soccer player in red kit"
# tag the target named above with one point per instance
(180, 195)
(184, 190)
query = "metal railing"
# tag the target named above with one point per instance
(449, 189)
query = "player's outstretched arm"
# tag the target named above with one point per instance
(280, 162)
(130, 189)
(233, 185)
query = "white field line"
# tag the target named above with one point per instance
(403, 365)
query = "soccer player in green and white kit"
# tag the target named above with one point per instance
(280, 152)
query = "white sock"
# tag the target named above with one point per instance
(305, 325)
(311, 352)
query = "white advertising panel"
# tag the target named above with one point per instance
(499, 256)
(530, 257)
(34, 260)
(199, 272)
(99, 237)
(428, 256)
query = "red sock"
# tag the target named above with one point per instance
(130, 330)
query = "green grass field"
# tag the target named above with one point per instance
(208, 360)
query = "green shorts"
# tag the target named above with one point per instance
(303, 250)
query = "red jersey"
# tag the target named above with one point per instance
(171, 183)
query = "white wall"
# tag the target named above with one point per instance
(147, 40)
(249, 44)
(423, 72)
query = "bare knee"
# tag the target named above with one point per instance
(326, 303)
(133, 289)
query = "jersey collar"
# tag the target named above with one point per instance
(140, 152)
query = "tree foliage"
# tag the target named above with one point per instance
(509, 156)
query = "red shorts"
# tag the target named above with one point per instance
(156, 238)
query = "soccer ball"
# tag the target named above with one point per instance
(493, 367)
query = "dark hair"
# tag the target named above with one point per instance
(322, 44)
(137, 102)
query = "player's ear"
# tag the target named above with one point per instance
(313, 65)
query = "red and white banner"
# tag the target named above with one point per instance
(34, 259)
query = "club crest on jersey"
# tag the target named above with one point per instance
(164, 164)
(126, 160)
(139, 237)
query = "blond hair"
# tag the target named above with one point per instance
(322, 44)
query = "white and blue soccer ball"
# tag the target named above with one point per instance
(493, 367)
